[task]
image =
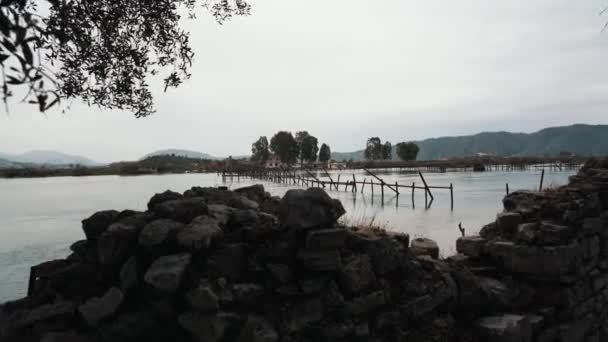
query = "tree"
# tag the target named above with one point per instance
(100, 51)
(285, 146)
(407, 151)
(387, 150)
(324, 153)
(308, 147)
(259, 150)
(373, 149)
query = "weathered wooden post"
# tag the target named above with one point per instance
(507, 187)
(413, 189)
(363, 185)
(452, 196)
(542, 179)
(426, 186)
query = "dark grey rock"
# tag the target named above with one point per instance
(313, 285)
(247, 293)
(98, 223)
(166, 273)
(69, 336)
(424, 246)
(507, 222)
(95, 310)
(471, 245)
(527, 232)
(303, 314)
(280, 272)
(308, 209)
(365, 304)
(207, 327)
(182, 210)
(163, 197)
(116, 243)
(255, 193)
(199, 234)
(550, 233)
(326, 239)
(62, 310)
(222, 213)
(229, 261)
(320, 260)
(203, 298)
(258, 329)
(158, 232)
(504, 328)
(357, 274)
(128, 275)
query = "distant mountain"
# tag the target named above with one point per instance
(181, 153)
(40, 157)
(579, 139)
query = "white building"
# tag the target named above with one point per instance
(273, 162)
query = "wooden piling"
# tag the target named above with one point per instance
(426, 186)
(413, 189)
(542, 179)
(452, 196)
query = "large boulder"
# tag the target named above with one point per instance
(182, 210)
(158, 232)
(116, 243)
(98, 223)
(472, 246)
(255, 192)
(163, 197)
(167, 273)
(357, 274)
(309, 209)
(424, 246)
(95, 310)
(199, 234)
(203, 298)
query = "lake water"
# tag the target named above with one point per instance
(40, 218)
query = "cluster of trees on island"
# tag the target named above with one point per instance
(376, 150)
(289, 149)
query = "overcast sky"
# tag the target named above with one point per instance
(348, 69)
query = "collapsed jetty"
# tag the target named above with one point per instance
(213, 265)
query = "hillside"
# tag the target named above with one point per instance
(181, 153)
(578, 139)
(41, 157)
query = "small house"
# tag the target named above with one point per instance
(273, 162)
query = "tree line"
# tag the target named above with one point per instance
(289, 149)
(376, 150)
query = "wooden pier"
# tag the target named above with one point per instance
(306, 178)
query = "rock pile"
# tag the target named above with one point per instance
(213, 265)
(545, 262)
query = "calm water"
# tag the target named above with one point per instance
(40, 218)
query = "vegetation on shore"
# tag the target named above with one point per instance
(152, 165)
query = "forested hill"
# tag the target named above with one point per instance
(578, 139)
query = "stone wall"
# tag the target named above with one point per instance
(215, 265)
